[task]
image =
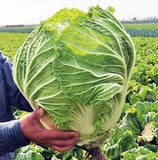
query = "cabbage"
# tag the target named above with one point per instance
(77, 67)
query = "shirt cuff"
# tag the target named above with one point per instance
(13, 136)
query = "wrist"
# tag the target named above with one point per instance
(13, 135)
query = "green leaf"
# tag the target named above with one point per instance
(130, 122)
(120, 141)
(143, 108)
(139, 154)
(111, 9)
(142, 121)
(28, 153)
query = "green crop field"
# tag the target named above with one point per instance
(141, 26)
(143, 30)
(136, 134)
(10, 42)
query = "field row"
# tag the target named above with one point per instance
(141, 26)
(135, 30)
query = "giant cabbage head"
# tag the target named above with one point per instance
(77, 67)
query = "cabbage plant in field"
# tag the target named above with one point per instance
(77, 67)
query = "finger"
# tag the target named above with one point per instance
(50, 138)
(62, 149)
(39, 125)
(64, 134)
(60, 135)
(36, 115)
(63, 143)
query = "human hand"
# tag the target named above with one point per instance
(34, 131)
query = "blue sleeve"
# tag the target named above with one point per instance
(11, 137)
(15, 97)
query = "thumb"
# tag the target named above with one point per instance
(39, 113)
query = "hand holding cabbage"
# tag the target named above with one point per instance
(77, 67)
(55, 139)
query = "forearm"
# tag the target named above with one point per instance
(11, 137)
